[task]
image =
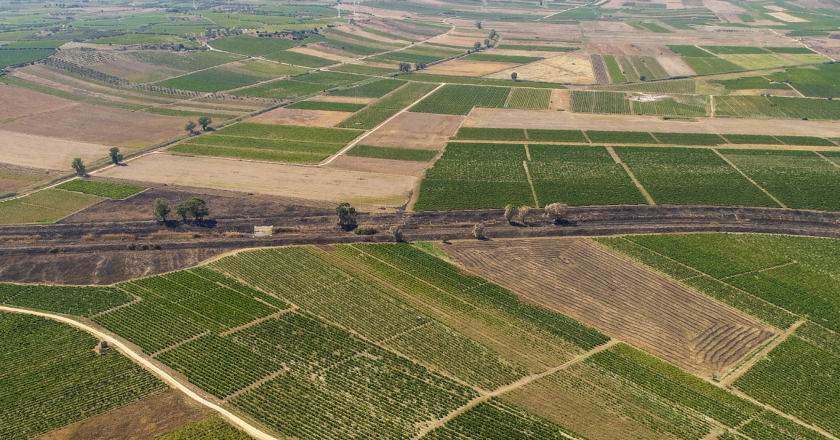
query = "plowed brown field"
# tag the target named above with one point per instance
(619, 298)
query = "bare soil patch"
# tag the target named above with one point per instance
(145, 419)
(43, 152)
(572, 68)
(323, 53)
(623, 300)
(19, 102)
(416, 130)
(315, 183)
(675, 66)
(451, 40)
(308, 118)
(784, 16)
(509, 118)
(100, 125)
(468, 68)
(774, 92)
(387, 166)
(560, 99)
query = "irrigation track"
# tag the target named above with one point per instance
(514, 386)
(143, 362)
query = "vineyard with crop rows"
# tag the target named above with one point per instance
(600, 102)
(776, 107)
(211, 428)
(676, 105)
(52, 377)
(529, 98)
(379, 111)
(80, 301)
(460, 99)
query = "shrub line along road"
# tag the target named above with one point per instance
(241, 424)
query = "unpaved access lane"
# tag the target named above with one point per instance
(143, 362)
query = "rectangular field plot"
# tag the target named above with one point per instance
(538, 135)
(490, 134)
(579, 279)
(735, 50)
(290, 132)
(476, 176)
(393, 153)
(52, 377)
(709, 139)
(79, 301)
(755, 62)
(677, 105)
(529, 98)
(580, 175)
(616, 74)
(709, 66)
(821, 82)
(248, 153)
(796, 377)
(381, 110)
(805, 140)
(621, 137)
(299, 59)
(600, 102)
(220, 140)
(759, 139)
(691, 176)
(799, 179)
(213, 427)
(102, 189)
(376, 89)
(328, 106)
(460, 99)
(249, 45)
(776, 107)
(45, 206)
(214, 80)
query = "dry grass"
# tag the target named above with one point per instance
(307, 118)
(468, 68)
(572, 68)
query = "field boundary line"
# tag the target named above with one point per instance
(180, 343)
(748, 178)
(255, 384)
(258, 320)
(632, 176)
(149, 366)
(367, 133)
(531, 183)
(513, 386)
(826, 159)
(136, 300)
(743, 368)
(758, 270)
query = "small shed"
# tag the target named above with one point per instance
(262, 231)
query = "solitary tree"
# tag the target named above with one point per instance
(523, 214)
(190, 127)
(398, 233)
(346, 215)
(478, 231)
(509, 213)
(513, 76)
(79, 166)
(198, 208)
(478, 24)
(161, 208)
(182, 209)
(116, 157)
(493, 34)
(487, 42)
(204, 121)
(477, 46)
(556, 211)
(405, 67)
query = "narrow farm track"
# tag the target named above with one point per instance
(731, 378)
(514, 386)
(143, 362)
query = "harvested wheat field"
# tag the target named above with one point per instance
(309, 183)
(386, 166)
(325, 53)
(675, 66)
(307, 118)
(100, 125)
(619, 298)
(416, 130)
(19, 102)
(572, 68)
(468, 68)
(46, 153)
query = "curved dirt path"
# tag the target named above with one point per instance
(238, 422)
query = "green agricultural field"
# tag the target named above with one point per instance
(63, 380)
(213, 80)
(460, 99)
(381, 110)
(45, 206)
(751, 82)
(538, 135)
(22, 56)
(822, 82)
(616, 74)
(38, 44)
(501, 58)
(757, 62)
(799, 179)
(790, 49)
(103, 189)
(805, 140)
(709, 139)
(718, 50)
(254, 46)
(393, 153)
(490, 134)
(690, 176)
(621, 137)
(366, 70)
(80, 301)
(290, 132)
(758, 139)
(211, 428)
(711, 65)
(299, 59)
(776, 107)
(248, 153)
(132, 39)
(267, 144)
(476, 176)
(529, 98)
(424, 77)
(679, 86)
(580, 175)
(376, 89)
(273, 70)
(537, 48)
(600, 102)
(691, 51)
(520, 83)
(188, 113)
(488, 419)
(328, 106)
(283, 89)
(677, 105)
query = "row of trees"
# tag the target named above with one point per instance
(203, 121)
(80, 168)
(194, 207)
(556, 212)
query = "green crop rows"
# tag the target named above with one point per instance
(759, 139)
(799, 179)
(709, 139)
(81, 301)
(300, 85)
(821, 82)
(690, 51)
(52, 377)
(538, 135)
(12, 57)
(248, 45)
(490, 134)
(299, 59)
(460, 99)
(677, 105)
(392, 153)
(600, 102)
(690, 176)
(381, 110)
(211, 428)
(319, 148)
(44, 206)
(102, 189)
(580, 175)
(776, 107)
(290, 132)
(529, 98)
(616, 74)
(376, 89)
(213, 80)
(709, 66)
(621, 137)
(248, 153)
(328, 106)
